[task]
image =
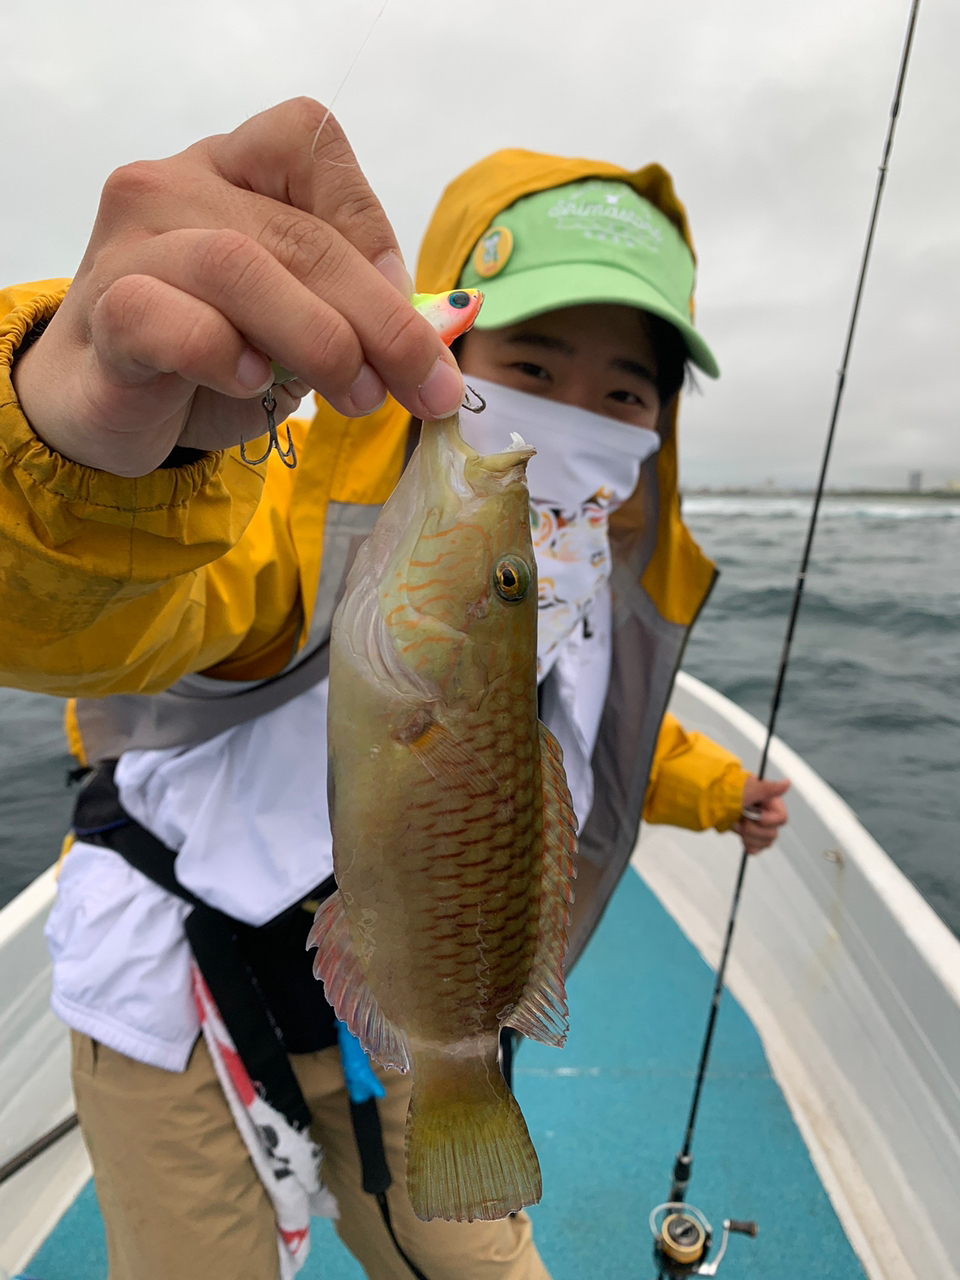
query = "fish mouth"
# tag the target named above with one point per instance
(460, 472)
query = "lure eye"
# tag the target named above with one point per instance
(460, 299)
(511, 579)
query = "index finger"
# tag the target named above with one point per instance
(297, 153)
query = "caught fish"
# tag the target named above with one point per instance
(454, 834)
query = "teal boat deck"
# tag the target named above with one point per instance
(606, 1114)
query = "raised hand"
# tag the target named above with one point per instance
(245, 248)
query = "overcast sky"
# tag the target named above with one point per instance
(771, 117)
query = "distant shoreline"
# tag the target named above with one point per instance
(764, 492)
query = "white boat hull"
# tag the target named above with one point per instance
(853, 983)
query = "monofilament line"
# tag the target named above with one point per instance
(684, 1159)
(346, 76)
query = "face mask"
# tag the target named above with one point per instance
(586, 466)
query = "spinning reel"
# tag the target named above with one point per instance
(682, 1237)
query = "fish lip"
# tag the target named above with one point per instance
(506, 460)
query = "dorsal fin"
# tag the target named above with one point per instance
(541, 1012)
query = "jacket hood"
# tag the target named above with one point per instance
(674, 572)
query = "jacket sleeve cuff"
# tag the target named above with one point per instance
(728, 799)
(696, 784)
(21, 308)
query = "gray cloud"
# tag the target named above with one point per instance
(771, 118)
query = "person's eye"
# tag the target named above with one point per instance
(531, 370)
(630, 398)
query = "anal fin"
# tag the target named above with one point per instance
(338, 968)
(541, 1012)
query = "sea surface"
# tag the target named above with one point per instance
(872, 697)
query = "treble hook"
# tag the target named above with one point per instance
(287, 456)
(473, 408)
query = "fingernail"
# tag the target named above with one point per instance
(391, 268)
(368, 392)
(297, 388)
(253, 371)
(442, 393)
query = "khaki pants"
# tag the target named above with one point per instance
(181, 1199)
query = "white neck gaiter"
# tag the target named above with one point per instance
(586, 466)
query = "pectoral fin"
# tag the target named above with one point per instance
(541, 1012)
(446, 757)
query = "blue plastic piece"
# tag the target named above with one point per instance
(362, 1084)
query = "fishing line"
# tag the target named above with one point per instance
(684, 1163)
(349, 71)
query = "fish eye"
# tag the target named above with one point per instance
(460, 299)
(511, 579)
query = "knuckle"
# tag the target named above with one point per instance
(359, 211)
(132, 183)
(311, 251)
(406, 338)
(333, 348)
(226, 259)
(124, 305)
(308, 114)
(199, 345)
(304, 245)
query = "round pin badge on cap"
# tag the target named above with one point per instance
(493, 252)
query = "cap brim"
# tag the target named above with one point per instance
(508, 299)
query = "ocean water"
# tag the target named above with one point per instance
(872, 698)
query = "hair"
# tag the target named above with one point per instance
(670, 351)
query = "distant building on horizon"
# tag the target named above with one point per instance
(915, 481)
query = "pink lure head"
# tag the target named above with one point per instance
(451, 313)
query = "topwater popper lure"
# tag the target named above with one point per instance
(451, 314)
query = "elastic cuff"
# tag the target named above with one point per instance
(730, 797)
(28, 310)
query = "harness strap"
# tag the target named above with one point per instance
(214, 939)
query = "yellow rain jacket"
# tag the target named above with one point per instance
(111, 585)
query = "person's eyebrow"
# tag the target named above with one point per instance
(542, 340)
(633, 366)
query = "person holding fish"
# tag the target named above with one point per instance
(525, 593)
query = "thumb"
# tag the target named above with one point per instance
(767, 789)
(758, 790)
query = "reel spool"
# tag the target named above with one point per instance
(682, 1237)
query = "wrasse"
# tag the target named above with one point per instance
(454, 834)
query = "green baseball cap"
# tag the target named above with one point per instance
(592, 241)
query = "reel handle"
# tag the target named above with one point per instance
(742, 1228)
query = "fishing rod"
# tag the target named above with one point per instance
(682, 1235)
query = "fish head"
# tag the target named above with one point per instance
(442, 599)
(451, 313)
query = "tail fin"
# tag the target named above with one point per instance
(469, 1154)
